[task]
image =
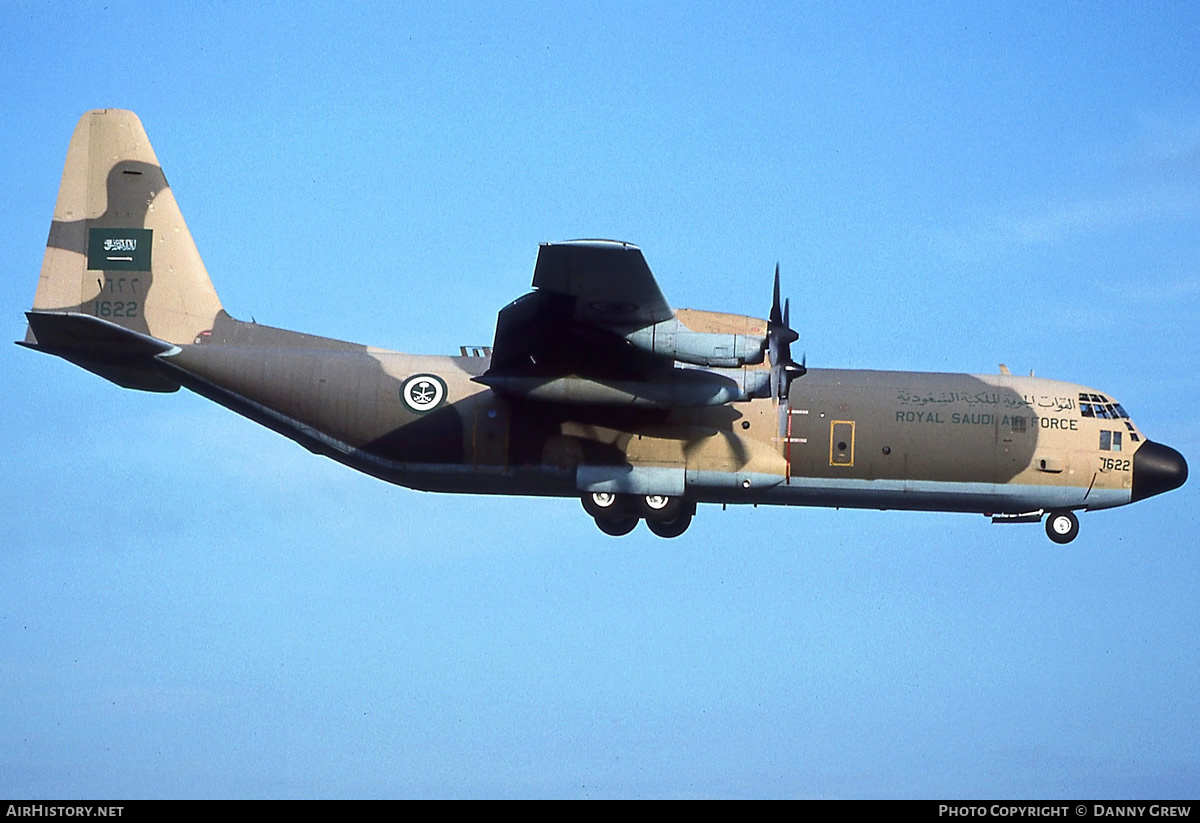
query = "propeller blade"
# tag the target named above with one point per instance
(775, 318)
(789, 336)
(780, 337)
(779, 327)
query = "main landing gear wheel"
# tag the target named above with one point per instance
(602, 504)
(671, 528)
(676, 525)
(618, 514)
(1062, 527)
(617, 525)
(659, 507)
(614, 514)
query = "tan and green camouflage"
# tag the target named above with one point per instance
(595, 387)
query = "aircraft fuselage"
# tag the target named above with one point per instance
(994, 444)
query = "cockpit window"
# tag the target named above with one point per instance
(1099, 406)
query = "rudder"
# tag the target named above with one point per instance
(119, 248)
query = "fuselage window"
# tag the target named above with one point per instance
(1116, 441)
(1105, 441)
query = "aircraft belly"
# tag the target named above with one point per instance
(950, 496)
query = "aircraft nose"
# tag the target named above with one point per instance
(1157, 469)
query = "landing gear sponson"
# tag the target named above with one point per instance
(618, 514)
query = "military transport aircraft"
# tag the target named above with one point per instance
(595, 387)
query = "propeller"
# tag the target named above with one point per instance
(779, 345)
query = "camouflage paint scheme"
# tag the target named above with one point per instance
(595, 387)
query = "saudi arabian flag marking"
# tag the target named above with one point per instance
(119, 249)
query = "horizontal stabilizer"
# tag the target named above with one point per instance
(124, 356)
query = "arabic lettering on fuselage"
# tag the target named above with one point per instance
(1011, 401)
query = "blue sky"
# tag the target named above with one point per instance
(191, 605)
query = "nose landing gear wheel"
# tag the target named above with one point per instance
(1062, 527)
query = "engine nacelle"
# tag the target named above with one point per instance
(713, 349)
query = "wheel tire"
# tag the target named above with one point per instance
(1062, 527)
(675, 527)
(617, 525)
(659, 507)
(672, 528)
(602, 504)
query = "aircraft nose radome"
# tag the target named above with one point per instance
(1157, 469)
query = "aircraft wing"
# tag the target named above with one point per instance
(588, 294)
(610, 282)
(596, 329)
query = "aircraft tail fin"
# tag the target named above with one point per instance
(119, 249)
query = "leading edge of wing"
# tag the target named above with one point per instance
(610, 280)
